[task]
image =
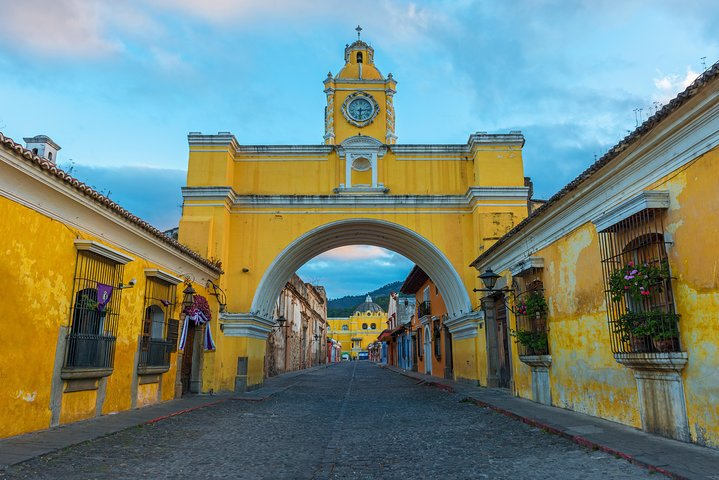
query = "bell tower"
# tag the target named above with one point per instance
(359, 98)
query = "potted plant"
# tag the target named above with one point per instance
(533, 305)
(535, 342)
(637, 280)
(638, 328)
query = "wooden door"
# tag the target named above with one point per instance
(186, 372)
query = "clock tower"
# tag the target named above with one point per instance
(359, 98)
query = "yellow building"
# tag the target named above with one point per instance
(614, 282)
(265, 210)
(93, 300)
(359, 330)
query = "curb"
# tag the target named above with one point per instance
(187, 410)
(579, 440)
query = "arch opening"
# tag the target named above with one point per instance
(379, 233)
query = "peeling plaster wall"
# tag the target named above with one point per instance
(693, 223)
(584, 375)
(305, 307)
(38, 269)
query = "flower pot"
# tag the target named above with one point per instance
(640, 344)
(666, 344)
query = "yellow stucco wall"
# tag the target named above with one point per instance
(584, 375)
(38, 264)
(692, 222)
(38, 287)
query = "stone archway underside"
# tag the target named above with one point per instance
(363, 231)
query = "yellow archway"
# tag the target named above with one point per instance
(362, 231)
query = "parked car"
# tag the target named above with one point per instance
(345, 356)
(363, 356)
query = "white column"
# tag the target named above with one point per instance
(348, 170)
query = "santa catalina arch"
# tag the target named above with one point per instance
(264, 210)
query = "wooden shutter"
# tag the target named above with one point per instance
(173, 326)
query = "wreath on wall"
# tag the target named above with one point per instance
(199, 313)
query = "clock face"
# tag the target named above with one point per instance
(360, 109)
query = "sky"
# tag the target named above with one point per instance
(118, 85)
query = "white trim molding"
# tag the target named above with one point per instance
(164, 276)
(249, 325)
(103, 251)
(474, 196)
(465, 326)
(527, 264)
(645, 200)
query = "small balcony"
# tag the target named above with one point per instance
(424, 309)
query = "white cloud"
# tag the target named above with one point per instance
(58, 27)
(354, 252)
(668, 86)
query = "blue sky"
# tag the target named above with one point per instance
(120, 84)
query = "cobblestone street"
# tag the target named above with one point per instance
(353, 420)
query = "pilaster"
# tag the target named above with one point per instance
(661, 391)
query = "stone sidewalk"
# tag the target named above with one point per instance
(18, 449)
(675, 459)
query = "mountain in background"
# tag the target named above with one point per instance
(344, 306)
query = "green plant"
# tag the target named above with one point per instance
(655, 324)
(533, 305)
(535, 342)
(637, 280)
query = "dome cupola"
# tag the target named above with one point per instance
(368, 306)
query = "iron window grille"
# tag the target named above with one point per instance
(646, 325)
(531, 325)
(159, 331)
(90, 343)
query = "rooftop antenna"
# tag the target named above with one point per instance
(657, 106)
(704, 64)
(359, 29)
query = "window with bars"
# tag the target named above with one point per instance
(637, 281)
(159, 331)
(94, 314)
(531, 315)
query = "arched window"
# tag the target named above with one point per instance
(155, 322)
(364, 326)
(34, 151)
(359, 57)
(159, 331)
(91, 340)
(642, 316)
(373, 326)
(345, 327)
(49, 155)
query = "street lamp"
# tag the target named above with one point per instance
(280, 323)
(489, 279)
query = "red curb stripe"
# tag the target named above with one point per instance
(578, 439)
(174, 414)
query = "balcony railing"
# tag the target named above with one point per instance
(86, 350)
(424, 309)
(155, 352)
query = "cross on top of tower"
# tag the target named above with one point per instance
(359, 29)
